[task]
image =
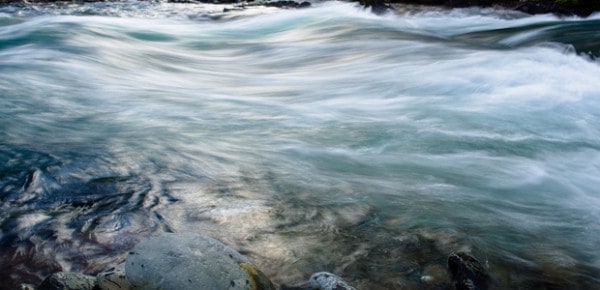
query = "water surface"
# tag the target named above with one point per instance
(321, 139)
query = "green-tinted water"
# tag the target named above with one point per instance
(320, 139)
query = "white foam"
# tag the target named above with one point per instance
(27, 221)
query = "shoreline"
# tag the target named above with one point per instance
(581, 8)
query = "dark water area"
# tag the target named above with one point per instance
(583, 38)
(322, 139)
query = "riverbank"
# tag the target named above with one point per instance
(581, 8)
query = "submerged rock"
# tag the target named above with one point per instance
(327, 281)
(190, 261)
(69, 281)
(467, 272)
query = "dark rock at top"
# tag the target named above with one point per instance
(467, 272)
(560, 7)
(287, 4)
(533, 7)
(377, 6)
(304, 4)
(461, 3)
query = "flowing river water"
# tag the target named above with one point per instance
(319, 139)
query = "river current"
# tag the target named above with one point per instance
(319, 139)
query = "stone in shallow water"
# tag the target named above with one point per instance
(327, 281)
(467, 272)
(190, 261)
(69, 281)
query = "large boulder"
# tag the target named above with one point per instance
(190, 261)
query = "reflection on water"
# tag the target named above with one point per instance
(323, 139)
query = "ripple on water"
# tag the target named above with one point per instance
(325, 139)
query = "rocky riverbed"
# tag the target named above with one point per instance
(194, 261)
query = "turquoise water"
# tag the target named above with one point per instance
(322, 139)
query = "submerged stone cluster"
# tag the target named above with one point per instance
(187, 261)
(172, 261)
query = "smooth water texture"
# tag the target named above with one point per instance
(321, 139)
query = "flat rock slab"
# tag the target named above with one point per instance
(190, 261)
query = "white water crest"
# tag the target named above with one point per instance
(318, 139)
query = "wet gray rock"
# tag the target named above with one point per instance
(113, 279)
(327, 281)
(190, 261)
(69, 281)
(467, 272)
